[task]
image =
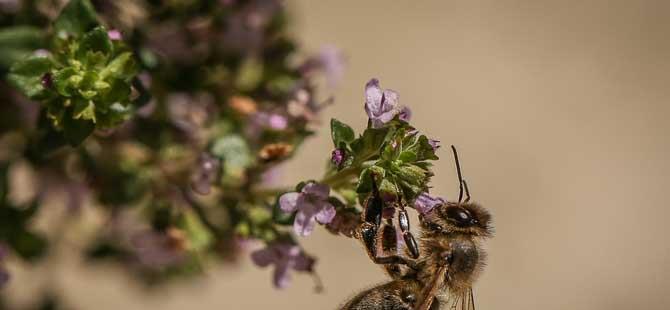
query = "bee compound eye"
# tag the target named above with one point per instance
(460, 216)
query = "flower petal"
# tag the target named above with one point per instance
(326, 214)
(321, 191)
(387, 116)
(405, 114)
(303, 263)
(264, 257)
(389, 100)
(281, 277)
(424, 203)
(4, 277)
(373, 98)
(304, 223)
(289, 202)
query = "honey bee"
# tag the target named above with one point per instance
(446, 262)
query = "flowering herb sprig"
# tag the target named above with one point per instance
(171, 119)
(85, 82)
(390, 153)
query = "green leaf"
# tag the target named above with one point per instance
(95, 41)
(27, 74)
(114, 115)
(412, 174)
(424, 151)
(17, 43)
(368, 145)
(366, 178)
(235, 153)
(122, 67)
(84, 110)
(407, 156)
(341, 133)
(77, 18)
(119, 91)
(28, 245)
(388, 189)
(249, 75)
(77, 130)
(199, 236)
(63, 82)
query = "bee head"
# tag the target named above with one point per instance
(467, 218)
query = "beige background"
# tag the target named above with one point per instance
(560, 111)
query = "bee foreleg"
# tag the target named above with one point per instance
(369, 237)
(410, 242)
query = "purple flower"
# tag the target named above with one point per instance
(271, 120)
(4, 274)
(191, 113)
(338, 156)
(434, 143)
(330, 61)
(114, 35)
(47, 81)
(10, 6)
(157, 250)
(380, 105)
(285, 257)
(312, 205)
(424, 202)
(205, 174)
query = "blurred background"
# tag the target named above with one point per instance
(559, 110)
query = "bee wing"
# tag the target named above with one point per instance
(429, 292)
(462, 301)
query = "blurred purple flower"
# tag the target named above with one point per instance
(4, 274)
(47, 80)
(73, 192)
(263, 120)
(380, 105)
(156, 250)
(245, 29)
(424, 202)
(170, 41)
(76, 194)
(191, 113)
(330, 61)
(333, 63)
(205, 174)
(10, 6)
(312, 206)
(272, 121)
(114, 35)
(284, 256)
(338, 156)
(434, 143)
(272, 176)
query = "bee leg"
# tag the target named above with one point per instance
(370, 236)
(372, 232)
(410, 242)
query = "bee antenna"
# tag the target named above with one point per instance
(467, 191)
(460, 176)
